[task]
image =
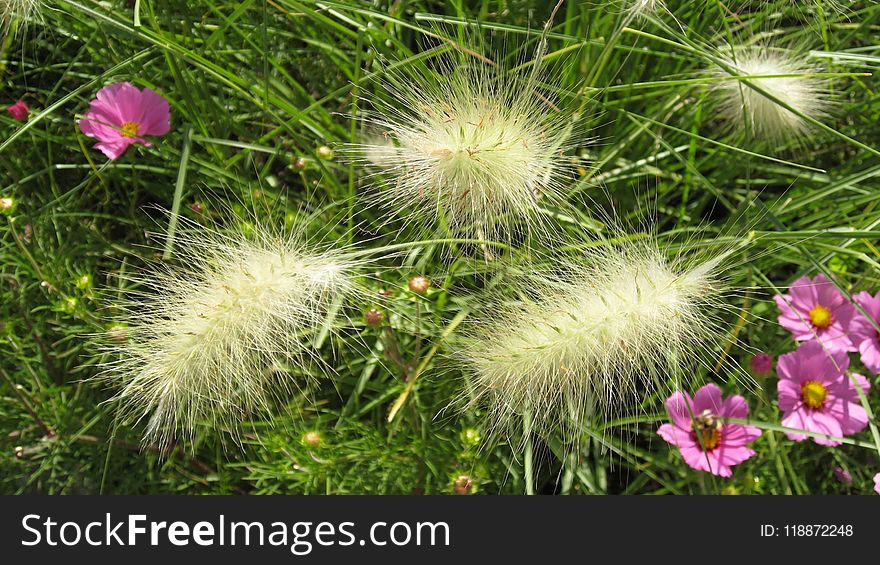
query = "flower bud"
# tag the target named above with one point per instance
(374, 317)
(7, 205)
(419, 284)
(325, 153)
(462, 484)
(299, 164)
(470, 437)
(118, 333)
(312, 439)
(843, 475)
(19, 111)
(84, 282)
(762, 364)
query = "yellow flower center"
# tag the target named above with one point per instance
(709, 428)
(813, 394)
(711, 438)
(820, 317)
(130, 129)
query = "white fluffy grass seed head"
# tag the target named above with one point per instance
(224, 336)
(469, 143)
(644, 7)
(593, 342)
(787, 78)
(24, 10)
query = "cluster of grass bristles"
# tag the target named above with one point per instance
(221, 336)
(472, 146)
(476, 151)
(594, 338)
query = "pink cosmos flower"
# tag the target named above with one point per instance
(762, 364)
(877, 483)
(707, 443)
(121, 115)
(864, 335)
(19, 111)
(815, 309)
(816, 395)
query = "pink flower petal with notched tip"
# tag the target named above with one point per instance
(679, 406)
(863, 332)
(708, 398)
(811, 421)
(156, 116)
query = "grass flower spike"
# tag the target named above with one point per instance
(475, 146)
(627, 322)
(786, 77)
(26, 10)
(211, 343)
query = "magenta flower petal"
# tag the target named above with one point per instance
(796, 421)
(863, 332)
(788, 367)
(679, 407)
(123, 98)
(708, 398)
(826, 423)
(156, 117)
(735, 407)
(862, 382)
(869, 350)
(877, 483)
(734, 455)
(674, 435)
(112, 149)
(804, 420)
(741, 435)
(695, 457)
(788, 392)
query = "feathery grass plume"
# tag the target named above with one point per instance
(643, 7)
(225, 335)
(594, 340)
(787, 78)
(23, 10)
(470, 144)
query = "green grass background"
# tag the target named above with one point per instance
(262, 83)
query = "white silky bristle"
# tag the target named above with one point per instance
(604, 338)
(744, 108)
(475, 147)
